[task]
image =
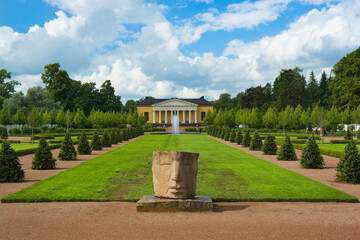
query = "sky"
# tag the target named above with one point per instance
(184, 48)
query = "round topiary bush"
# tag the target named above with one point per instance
(67, 149)
(83, 146)
(310, 156)
(105, 139)
(246, 139)
(232, 135)
(348, 168)
(10, 167)
(255, 143)
(286, 152)
(238, 137)
(96, 142)
(269, 147)
(43, 158)
(348, 135)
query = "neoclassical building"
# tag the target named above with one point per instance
(161, 111)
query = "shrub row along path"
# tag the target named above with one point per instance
(325, 175)
(119, 220)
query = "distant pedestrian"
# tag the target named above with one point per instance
(197, 129)
(200, 130)
(325, 133)
(316, 131)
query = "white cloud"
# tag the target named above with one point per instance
(151, 62)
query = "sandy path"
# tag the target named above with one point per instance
(119, 220)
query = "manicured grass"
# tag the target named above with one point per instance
(225, 174)
(335, 147)
(19, 146)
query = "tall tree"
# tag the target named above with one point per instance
(289, 88)
(33, 121)
(325, 97)
(345, 86)
(80, 118)
(7, 88)
(110, 101)
(224, 102)
(312, 92)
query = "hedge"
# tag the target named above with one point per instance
(32, 150)
(194, 129)
(343, 141)
(327, 152)
(10, 141)
(154, 130)
(60, 141)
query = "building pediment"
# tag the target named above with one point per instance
(175, 103)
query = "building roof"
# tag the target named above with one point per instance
(199, 101)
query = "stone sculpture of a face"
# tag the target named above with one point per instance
(174, 174)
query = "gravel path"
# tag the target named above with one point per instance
(246, 220)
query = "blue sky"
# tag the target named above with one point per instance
(185, 48)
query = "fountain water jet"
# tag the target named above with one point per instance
(175, 123)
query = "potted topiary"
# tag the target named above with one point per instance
(246, 139)
(310, 156)
(83, 146)
(269, 147)
(96, 142)
(286, 152)
(67, 149)
(43, 158)
(348, 168)
(10, 167)
(255, 143)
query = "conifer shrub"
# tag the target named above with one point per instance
(105, 139)
(10, 167)
(3, 133)
(96, 142)
(358, 134)
(67, 149)
(119, 135)
(286, 152)
(43, 158)
(246, 139)
(218, 132)
(310, 156)
(232, 135)
(113, 138)
(223, 131)
(126, 134)
(238, 137)
(256, 143)
(269, 147)
(348, 135)
(227, 134)
(83, 145)
(348, 168)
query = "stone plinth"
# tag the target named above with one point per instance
(151, 203)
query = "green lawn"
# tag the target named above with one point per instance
(334, 147)
(20, 146)
(225, 174)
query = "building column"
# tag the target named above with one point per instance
(166, 116)
(195, 116)
(172, 112)
(190, 116)
(183, 121)
(153, 116)
(160, 116)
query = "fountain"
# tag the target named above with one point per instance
(175, 123)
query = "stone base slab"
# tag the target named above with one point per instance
(151, 203)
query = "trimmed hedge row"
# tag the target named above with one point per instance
(343, 141)
(10, 141)
(154, 130)
(194, 129)
(32, 150)
(327, 152)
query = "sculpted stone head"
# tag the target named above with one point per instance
(174, 174)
